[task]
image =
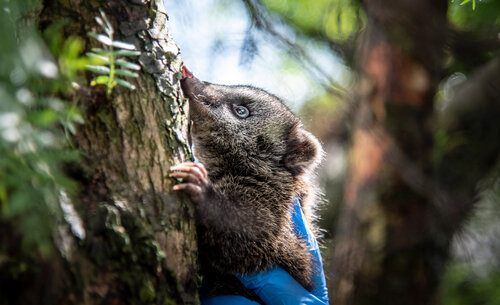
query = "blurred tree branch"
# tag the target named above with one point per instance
(265, 23)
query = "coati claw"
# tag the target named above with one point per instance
(194, 179)
(187, 166)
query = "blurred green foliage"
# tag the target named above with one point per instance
(337, 20)
(473, 276)
(33, 147)
(340, 19)
(462, 285)
(469, 1)
(67, 51)
(485, 15)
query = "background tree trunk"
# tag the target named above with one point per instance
(128, 239)
(404, 199)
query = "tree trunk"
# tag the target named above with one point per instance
(406, 194)
(127, 239)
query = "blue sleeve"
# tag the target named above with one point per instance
(275, 285)
(304, 232)
(227, 300)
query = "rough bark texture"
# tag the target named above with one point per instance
(128, 239)
(399, 211)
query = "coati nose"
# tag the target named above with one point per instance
(193, 88)
(190, 84)
(186, 73)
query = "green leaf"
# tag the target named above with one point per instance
(104, 26)
(98, 69)
(124, 83)
(21, 200)
(92, 34)
(128, 65)
(126, 73)
(44, 118)
(116, 52)
(101, 23)
(76, 117)
(3, 196)
(102, 59)
(100, 51)
(106, 21)
(101, 38)
(71, 128)
(73, 114)
(100, 80)
(467, 1)
(122, 45)
(127, 53)
(54, 35)
(70, 61)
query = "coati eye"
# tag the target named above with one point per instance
(241, 111)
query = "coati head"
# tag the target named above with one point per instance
(246, 129)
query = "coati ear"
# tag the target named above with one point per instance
(303, 151)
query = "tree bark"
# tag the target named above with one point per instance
(127, 238)
(406, 194)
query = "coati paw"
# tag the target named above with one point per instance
(194, 180)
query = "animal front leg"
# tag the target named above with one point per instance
(216, 210)
(212, 208)
(237, 233)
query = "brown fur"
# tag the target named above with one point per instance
(256, 166)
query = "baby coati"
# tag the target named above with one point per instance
(254, 159)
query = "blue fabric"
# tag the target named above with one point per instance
(226, 300)
(275, 285)
(304, 232)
